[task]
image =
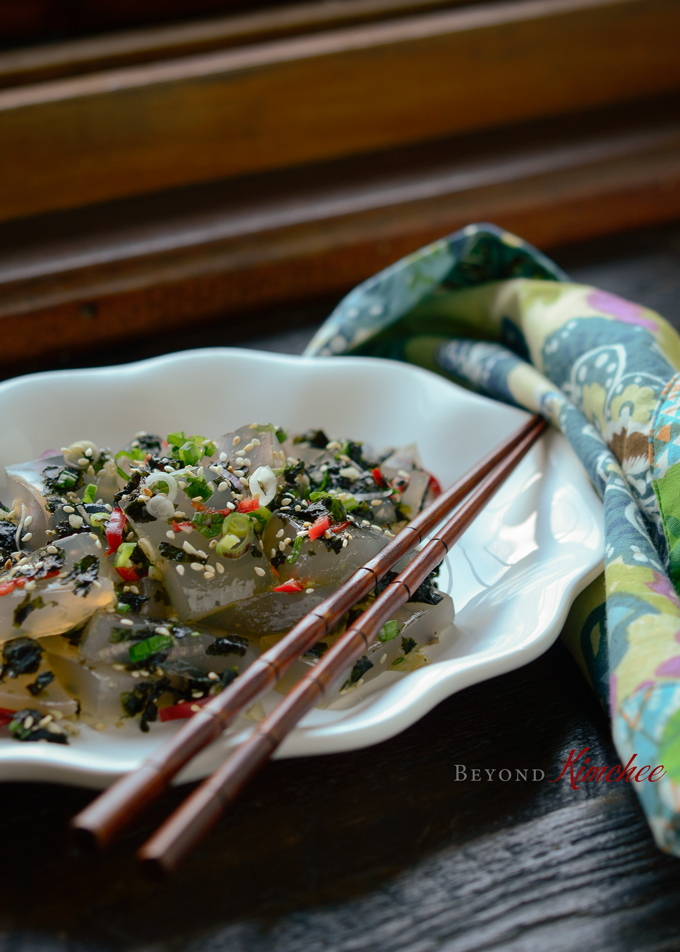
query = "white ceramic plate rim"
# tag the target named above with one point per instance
(381, 714)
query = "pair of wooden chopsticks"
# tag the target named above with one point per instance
(99, 823)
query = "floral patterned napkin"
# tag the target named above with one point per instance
(489, 311)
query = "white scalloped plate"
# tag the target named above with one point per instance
(513, 575)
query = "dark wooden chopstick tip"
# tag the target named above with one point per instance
(86, 841)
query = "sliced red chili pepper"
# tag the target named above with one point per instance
(434, 484)
(292, 585)
(199, 506)
(7, 587)
(343, 525)
(177, 526)
(248, 505)
(319, 527)
(128, 574)
(6, 716)
(379, 478)
(114, 530)
(178, 712)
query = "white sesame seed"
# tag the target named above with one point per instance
(223, 457)
(327, 534)
(248, 447)
(28, 520)
(197, 498)
(279, 534)
(259, 571)
(298, 508)
(222, 486)
(344, 543)
(128, 622)
(75, 521)
(196, 567)
(208, 576)
(52, 549)
(83, 461)
(28, 722)
(212, 544)
(220, 568)
(236, 441)
(69, 509)
(213, 676)
(376, 502)
(255, 442)
(135, 674)
(230, 505)
(201, 554)
(118, 667)
(383, 659)
(180, 569)
(282, 546)
(27, 537)
(195, 708)
(239, 461)
(273, 553)
(309, 591)
(188, 548)
(162, 630)
(88, 452)
(247, 462)
(29, 586)
(170, 534)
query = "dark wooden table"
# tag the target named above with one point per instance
(386, 848)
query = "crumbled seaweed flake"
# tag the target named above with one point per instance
(20, 656)
(7, 538)
(427, 592)
(84, 574)
(292, 471)
(360, 668)
(175, 554)
(41, 682)
(228, 644)
(229, 675)
(149, 443)
(143, 699)
(61, 479)
(407, 645)
(316, 651)
(64, 529)
(131, 485)
(137, 512)
(25, 726)
(180, 631)
(132, 601)
(28, 605)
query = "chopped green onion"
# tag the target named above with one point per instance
(124, 554)
(150, 646)
(237, 536)
(389, 631)
(197, 486)
(90, 493)
(296, 549)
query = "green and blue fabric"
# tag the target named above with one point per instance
(489, 311)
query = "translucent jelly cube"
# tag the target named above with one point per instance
(65, 599)
(44, 484)
(16, 693)
(257, 444)
(316, 564)
(266, 613)
(194, 649)
(399, 647)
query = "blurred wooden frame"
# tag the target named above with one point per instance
(289, 123)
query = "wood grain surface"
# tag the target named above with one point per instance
(383, 849)
(91, 277)
(73, 57)
(277, 104)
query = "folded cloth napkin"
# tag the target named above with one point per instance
(489, 311)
